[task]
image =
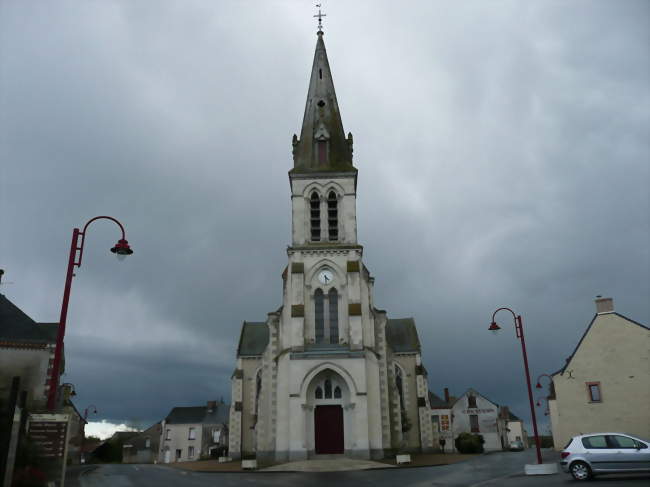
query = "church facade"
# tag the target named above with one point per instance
(328, 372)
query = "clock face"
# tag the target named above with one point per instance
(325, 276)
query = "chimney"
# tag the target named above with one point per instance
(211, 406)
(604, 305)
(447, 395)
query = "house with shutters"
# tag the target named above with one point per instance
(328, 372)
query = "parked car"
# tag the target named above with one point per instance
(516, 445)
(598, 453)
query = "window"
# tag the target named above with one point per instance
(400, 386)
(597, 442)
(326, 316)
(594, 391)
(471, 402)
(216, 435)
(190, 452)
(333, 298)
(473, 423)
(168, 435)
(147, 443)
(319, 310)
(192, 434)
(332, 217)
(435, 420)
(319, 393)
(337, 392)
(328, 389)
(179, 453)
(314, 216)
(322, 152)
(258, 391)
(623, 441)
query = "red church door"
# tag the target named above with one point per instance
(329, 429)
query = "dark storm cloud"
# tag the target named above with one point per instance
(503, 158)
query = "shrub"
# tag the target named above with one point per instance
(469, 443)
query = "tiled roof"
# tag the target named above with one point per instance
(402, 336)
(254, 338)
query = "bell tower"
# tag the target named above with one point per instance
(323, 288)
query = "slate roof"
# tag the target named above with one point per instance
(253, 339)
(402, 336)
(437, 402)
(199, 414)
(16, 326)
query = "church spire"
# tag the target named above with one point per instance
(322, 145)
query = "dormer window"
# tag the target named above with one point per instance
(332, 217)
(314, 216)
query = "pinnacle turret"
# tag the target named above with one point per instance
(323, 145)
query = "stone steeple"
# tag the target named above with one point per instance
(323, 146)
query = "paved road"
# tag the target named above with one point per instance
(497, 469)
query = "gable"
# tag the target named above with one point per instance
(597, 320)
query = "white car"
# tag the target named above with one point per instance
(598, 453)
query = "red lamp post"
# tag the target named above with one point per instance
(519, 330)
(539, 384)
(121, 250)
(83, 434)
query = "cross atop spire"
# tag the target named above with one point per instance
(320, 18)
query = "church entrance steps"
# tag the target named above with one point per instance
(326, 465)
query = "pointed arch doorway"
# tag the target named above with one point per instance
(328, 393)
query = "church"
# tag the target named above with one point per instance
(328, 372)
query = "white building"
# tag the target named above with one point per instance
(327, 372)
(192, 433)
(473, 413)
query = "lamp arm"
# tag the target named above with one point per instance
(83, 234)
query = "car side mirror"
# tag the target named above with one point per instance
(641, 446)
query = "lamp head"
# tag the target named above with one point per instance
(538, 404)
(494, 328)
(122, 249)
(538, 385)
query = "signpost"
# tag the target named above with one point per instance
(49, 433)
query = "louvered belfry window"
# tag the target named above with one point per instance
(314, 216)
(332, 217)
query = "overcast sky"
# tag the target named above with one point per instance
(503, 156)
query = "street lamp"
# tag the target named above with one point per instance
(519, 330)
(83, 434)
(540, 401)
(539, 384)
(121, 250)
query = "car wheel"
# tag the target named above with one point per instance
(580, 471)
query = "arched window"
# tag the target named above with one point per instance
(332, 217)
(319, 314)
(328, 389)
(333, 298)
(319, 393)
(400, 386)
(337, 392)
(314, 218)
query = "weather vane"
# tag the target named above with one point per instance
(320, 18)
